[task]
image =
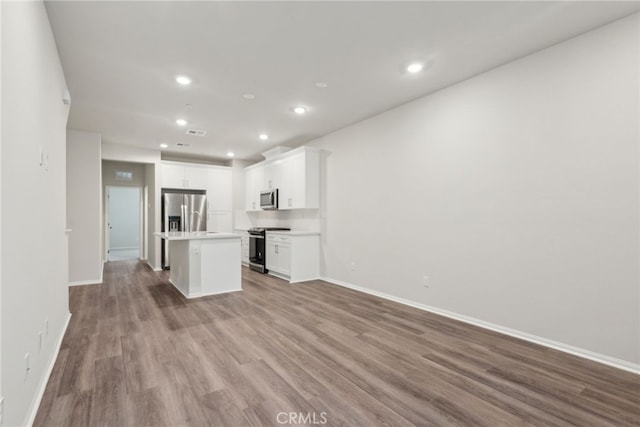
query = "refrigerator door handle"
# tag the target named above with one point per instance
(184, 217)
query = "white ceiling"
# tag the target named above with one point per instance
(121, 58)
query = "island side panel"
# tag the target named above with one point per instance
(180, 265)
(220, 266)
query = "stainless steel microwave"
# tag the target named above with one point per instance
(269, 199)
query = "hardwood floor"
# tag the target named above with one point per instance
(137, 353)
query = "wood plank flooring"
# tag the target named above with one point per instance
(137, 353)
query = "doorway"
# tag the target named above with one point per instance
(123, 224)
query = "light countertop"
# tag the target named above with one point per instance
(294, 233)
(195, 235)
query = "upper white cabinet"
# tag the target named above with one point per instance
(220, 221)
(219, 189)
(175, 175)
(300, 181)
(273, 175)
(195, 177)
(219, 199)
(296, 175)
(253, 184)
(172, 176)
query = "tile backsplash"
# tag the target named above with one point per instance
(301, 220)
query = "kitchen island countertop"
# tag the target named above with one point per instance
(194, 235)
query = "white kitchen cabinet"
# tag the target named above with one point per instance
(284, 257)
(244, 246)
(172, 176)
(278, 256)
(253, 184)
(195, 177)
(296, 174)
(219, 189)
(300, 172)
(293, 256)
(219, 221)
(272, 260)
(274, 175)
(176, 175)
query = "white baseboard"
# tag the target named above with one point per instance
(86, 282)
(45, 380)
(153, 267)
(90, 281)
(202, 294)
(576, 351)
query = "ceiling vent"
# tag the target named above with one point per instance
(196, 132)
(183, 144)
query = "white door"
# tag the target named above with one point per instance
(123, 223)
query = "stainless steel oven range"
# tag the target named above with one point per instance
(257, 247)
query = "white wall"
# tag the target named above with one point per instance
(109, 169)
(0, 201)
(126, 153)
(34, 243)
(515, 191)
(153, 211)
(84, 206)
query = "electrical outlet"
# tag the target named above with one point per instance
(425, 281)
(26, 362)
(353, 266)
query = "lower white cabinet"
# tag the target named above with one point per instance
(294, 256)
(278, 250)
(244, 246)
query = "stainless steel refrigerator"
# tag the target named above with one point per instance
(182, 211)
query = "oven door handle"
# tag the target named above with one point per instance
(253, 236)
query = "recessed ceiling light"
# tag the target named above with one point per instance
(188, 106)
(299, 109)
(181, 122)
(263, 136)
(249, 96)
(321, 84)
(164, 145)
(230, 154)
(183, 80)
(415, 67)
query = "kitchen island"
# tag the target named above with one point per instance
(204, 263)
